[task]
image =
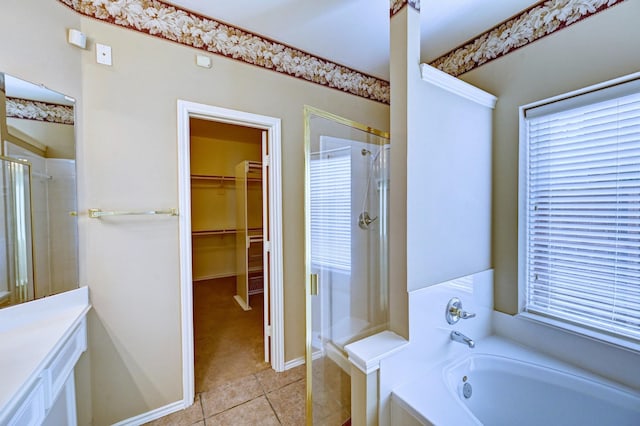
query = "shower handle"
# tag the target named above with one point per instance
(455, 313)
(364, 220)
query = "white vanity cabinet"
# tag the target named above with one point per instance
(40, 344)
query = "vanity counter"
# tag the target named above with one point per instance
(40, 343)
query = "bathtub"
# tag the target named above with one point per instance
(502, 383)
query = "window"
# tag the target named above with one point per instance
(331, 217)
(580, 209)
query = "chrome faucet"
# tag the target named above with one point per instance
(456, 336)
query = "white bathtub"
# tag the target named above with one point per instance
(508, 384)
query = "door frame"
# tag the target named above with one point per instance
(272, 125)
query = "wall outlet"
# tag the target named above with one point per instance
(103, 54)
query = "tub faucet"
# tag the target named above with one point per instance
(456, 336)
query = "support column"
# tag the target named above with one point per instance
(405, 73)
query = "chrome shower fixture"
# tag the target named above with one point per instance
(364, 220)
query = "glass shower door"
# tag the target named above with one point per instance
(16, 266)
(346, 253)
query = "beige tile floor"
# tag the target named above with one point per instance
(234, 386)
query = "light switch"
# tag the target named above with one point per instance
(103, 54)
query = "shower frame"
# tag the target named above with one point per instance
(25, 293)
(311, 280)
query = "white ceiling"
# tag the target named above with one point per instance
(17, 88)
(355, 33)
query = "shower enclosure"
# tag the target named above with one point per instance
(16, 253)
(347, 196)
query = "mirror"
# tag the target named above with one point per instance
(38, 220)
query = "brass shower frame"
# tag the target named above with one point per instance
(30, 169)
(310, 282)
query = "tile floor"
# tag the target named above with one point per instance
(234, 386)
(258, 399)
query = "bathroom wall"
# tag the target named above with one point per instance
(34, 48)
(448, 187)
(63, 234)
(59, 138)
(430, 341)
(130, 161)
(596, 49)
(132, 265)
(442, 164)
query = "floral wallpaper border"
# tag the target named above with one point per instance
(162, 20)
(538, 21)
(397, 5)
(39, 111)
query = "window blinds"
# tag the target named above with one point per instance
(583, 214)
(331, 218)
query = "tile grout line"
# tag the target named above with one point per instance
(242, 403)
(202, 408)
(264, 392)
(231, 408)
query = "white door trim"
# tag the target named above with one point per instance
(187, 110)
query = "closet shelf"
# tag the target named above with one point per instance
(213, 276)
(213, 232)
(221, 178)
(253, 232)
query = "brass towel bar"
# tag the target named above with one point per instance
(97, 213)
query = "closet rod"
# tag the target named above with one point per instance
(97, 213)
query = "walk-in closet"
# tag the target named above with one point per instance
(227, 251)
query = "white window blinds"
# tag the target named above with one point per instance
(331, 217)
(582, 248)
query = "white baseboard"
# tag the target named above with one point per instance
(301, 360)
(152, 415)
(244, 305)
(179, 405)
(294, 363)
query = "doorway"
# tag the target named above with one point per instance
(215, 241)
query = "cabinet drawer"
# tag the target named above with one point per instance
(31, 411)
(65, 360)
